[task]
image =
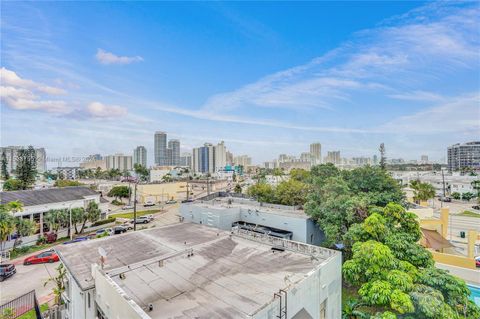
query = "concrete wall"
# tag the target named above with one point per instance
(304, 230)
(323, 285)
(112, 301)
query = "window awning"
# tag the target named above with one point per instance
(434, 240)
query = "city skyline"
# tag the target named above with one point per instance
(285, 84)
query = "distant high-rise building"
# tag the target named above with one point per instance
(305, 157)
(316, 153)
(119, 161)
(220, 156)
(186, 160)
(242, 160)
(140, 156)
(173, 155)
(11, 155)
(375, 160)
(229, 158)
(466, 155)
(204, 159)
(424, 159)
(160, 148)
(333, 157)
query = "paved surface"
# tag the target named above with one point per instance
(33, 277)
(26, 279)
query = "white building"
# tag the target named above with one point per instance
(67, 172)
(119, 161)
(277, 220)
(38, 202)
(316, 153)
(11, 155)
(193, 271)
(140, 156)
(242, 160)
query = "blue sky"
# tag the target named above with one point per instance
(267, 78)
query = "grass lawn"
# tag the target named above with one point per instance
(31, 314)
(130, 215)
(31, 249)
(469, 214)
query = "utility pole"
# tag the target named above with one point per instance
(443, 182)
(135, 208)
(188, 190)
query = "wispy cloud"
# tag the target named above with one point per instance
(24, 94)
(97, 109)
(105, 57)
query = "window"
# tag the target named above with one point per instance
(88, 299)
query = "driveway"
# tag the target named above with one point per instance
(28, 278)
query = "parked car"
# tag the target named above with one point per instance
(172, 201)
(141, 220)
(7, 270)
(76, 240)
(150, 217)
(445, 199)
(127, 225)
(149, 203)
(103, 231)
(187, 200)
(477, 261)
(127, 207)
(119, 230)
(48, 256)
(477, 207)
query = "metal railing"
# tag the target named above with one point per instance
(21, 305)
(315, 251)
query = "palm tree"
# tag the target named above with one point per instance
(351, 310)
(422, 191)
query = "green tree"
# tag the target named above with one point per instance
(291, 192)
(456, 195)
(92, 214)
(24, 227)
(383, 158)
(7, 223)
(59, 283)
(467, 196)
(4, 167)
(78, 216)
(238, 189)
(476, 186)
(262, 192)
(141, 171)
(119, 192)
(422, 191)
(300, 175)
(12, 185)
(26, 169)
(56, 218)
(352, 310)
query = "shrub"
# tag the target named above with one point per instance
(104, 221)
(117, 202)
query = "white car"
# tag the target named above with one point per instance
(127, 207)
(149, 203)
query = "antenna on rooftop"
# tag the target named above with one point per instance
(103, 256)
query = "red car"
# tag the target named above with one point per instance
(46, 257)
(477, 261)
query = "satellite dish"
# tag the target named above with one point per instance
(102, 252)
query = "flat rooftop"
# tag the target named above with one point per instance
(249, 204)
(188, 270)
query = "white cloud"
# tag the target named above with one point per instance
(409, 52)
(105, 57)
(10, 78)
(97, 109)
(417, 96)
(461, 114)
(24, 94)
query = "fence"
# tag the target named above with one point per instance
(21, 305)
(315, 251)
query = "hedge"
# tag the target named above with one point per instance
(104, 221)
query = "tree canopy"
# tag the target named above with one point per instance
(26, 170)
(395, 273)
